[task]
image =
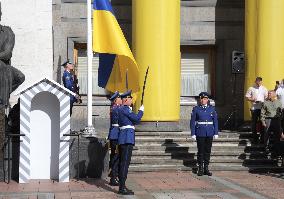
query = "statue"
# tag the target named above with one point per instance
(10, 79)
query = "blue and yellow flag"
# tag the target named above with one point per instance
(115, 56)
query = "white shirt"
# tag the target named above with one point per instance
(280, 95)
(258, 93)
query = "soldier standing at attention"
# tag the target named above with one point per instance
(68, 81)
(204, 126)
(113, 138)
(126, 140)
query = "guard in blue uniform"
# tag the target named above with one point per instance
(204, 126)
(126, 139)
(113, 138)
(68, 81)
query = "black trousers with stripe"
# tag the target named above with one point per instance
(204, 145)
(114, 159)
(125, 153)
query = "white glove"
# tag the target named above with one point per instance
(141, 108)
(216, 136)
(193, 137)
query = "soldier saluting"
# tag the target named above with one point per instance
(204, 126)
(113, 138)
(126, 140)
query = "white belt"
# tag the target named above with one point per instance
(204, 122)
(115, 125)
(127, 127)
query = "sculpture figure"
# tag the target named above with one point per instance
(10, 77)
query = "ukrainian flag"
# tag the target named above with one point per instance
(115, 56)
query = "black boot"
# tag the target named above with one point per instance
(130, 191)
(125, 191)
(206, 170)
(114, 182)
(122, 188)
(200, 170)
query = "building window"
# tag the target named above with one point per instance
(81, 70)
(197, 70)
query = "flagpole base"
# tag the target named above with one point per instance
(90, 131)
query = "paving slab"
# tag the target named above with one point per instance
(157, 185)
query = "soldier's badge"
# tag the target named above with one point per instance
(67, 78)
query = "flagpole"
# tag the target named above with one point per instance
(90, 130)
(90, 58)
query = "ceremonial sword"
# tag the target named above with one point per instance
(126, 80)
(145, 80)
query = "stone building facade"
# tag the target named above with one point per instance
(210, 31)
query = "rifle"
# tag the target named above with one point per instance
(77, 90)
(144, 85)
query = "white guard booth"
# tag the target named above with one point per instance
(44, 119)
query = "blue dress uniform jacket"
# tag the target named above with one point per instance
(114, 127)
(127, 118)
(68, 82)
(204, 114)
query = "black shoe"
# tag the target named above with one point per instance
(114, 182)
(206, 171)
(200, 170)
(130, 191)
(125, 191)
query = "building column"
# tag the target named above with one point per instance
(250, 47)
(270, 42)
(156, 43)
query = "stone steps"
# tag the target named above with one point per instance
(219, 167)
(184, 140)
(185, 153)
(156, 151)
(183, 156)
(214, 159)
(192, 146)
(179, 134)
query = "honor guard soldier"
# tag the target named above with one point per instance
(68, 81)
(113, 138)
(126, 140)
(204, 126)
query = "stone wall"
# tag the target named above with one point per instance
(31, 22)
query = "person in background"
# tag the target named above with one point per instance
(271, 113)
(256, 95)
(280, 96)
(277, 85)
(204, 126)
(68, 81)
